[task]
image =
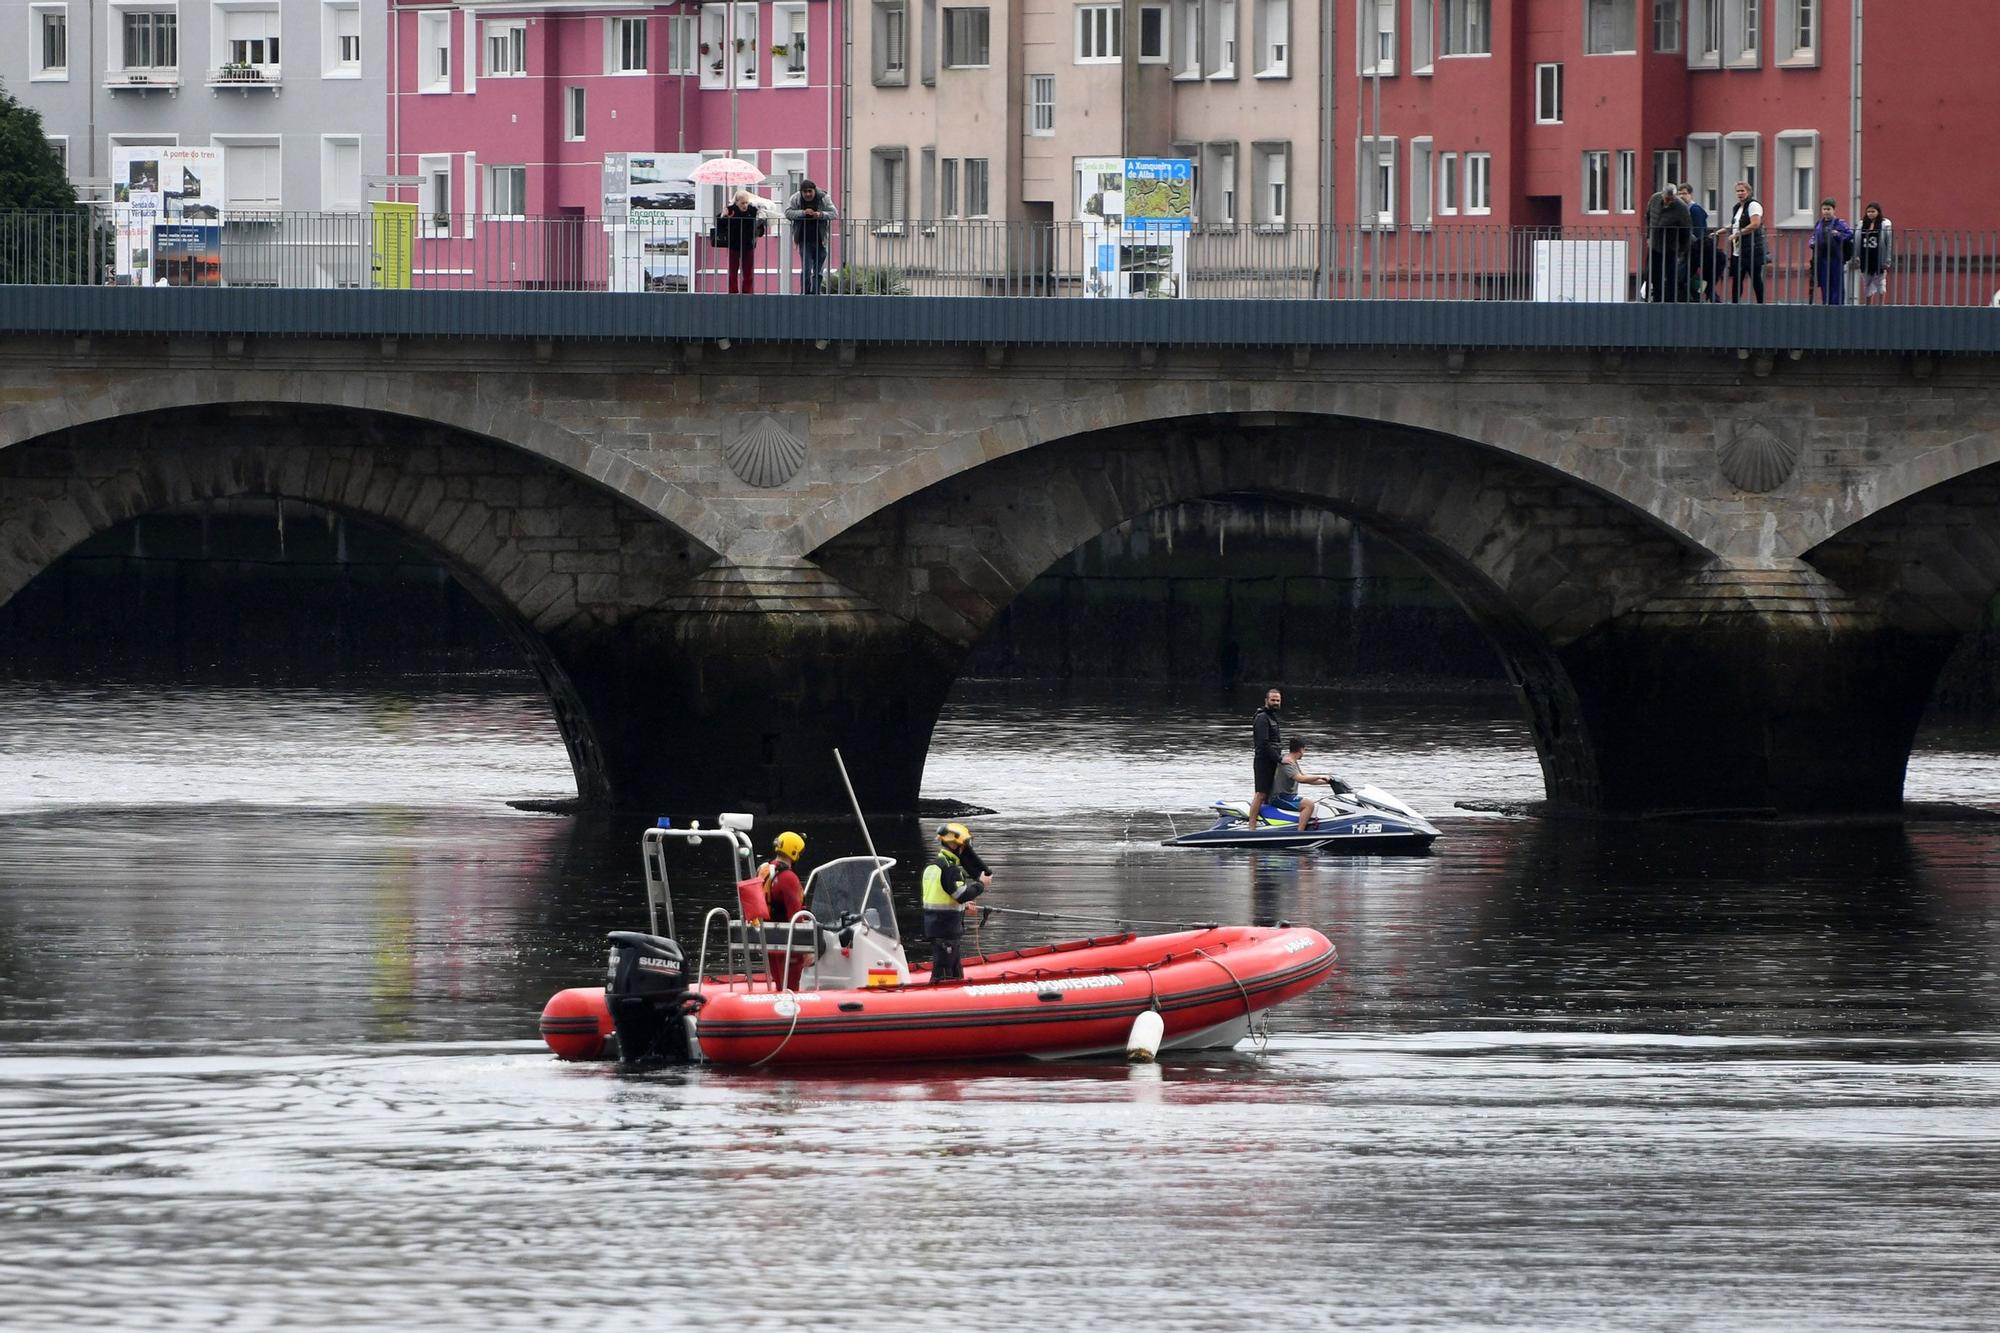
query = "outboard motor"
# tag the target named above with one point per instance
(646, 990)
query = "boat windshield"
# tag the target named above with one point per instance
(856, 888)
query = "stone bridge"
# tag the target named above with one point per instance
(1719, 579)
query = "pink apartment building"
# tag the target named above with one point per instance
(503, 111)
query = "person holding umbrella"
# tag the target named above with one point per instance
(726, 231)
(812, 214)
(738, 230)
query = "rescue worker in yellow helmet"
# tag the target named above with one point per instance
(784, 898)
(951, 882)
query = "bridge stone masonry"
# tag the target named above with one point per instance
(1719, 579)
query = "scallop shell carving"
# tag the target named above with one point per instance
(1757, 459)
(763, 452)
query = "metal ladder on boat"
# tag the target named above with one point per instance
(749, 946)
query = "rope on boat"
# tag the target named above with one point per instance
(797, 1009)
(1104, 920)
(1249, 1010)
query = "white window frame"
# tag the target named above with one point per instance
(978, 183)
(1451, 186)
(787, 163)
(795, 41)
(1667, 168)
(332, 61)
(429, 167)
(1549, 94)
(1271, 39)
(1100, 35)
(1737, 149)
(889, 174)
(1669, 26)
(948, 188)
(1793, 216)
(1270, 185)
(576, 113)
(1473, 38)
(231, 200)
(1596, 195)
(722, 27)
(1479, 174)
(1798, 18)
(1376, 158)
(433, 39)
(1707, 21)
(1370, 34)
(1224, 33)
(1423, 37)
(358, 201)
(1743, 34)
(508, 40)
(949, 57)
(1218, 206)
(264, 54)
(1423, 178)
(59, 145)
(1041, 117)
(39, 22)
(1617, 7)
(1163, 30)
(1703, 166)
(1185, 39)
(619, 45)
(1625, 181)
(889, 43)
(490, 190)
(118, 13)
(683, 44)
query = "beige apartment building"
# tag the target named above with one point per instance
(980, 111)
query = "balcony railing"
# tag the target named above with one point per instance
(973, 257)
(163, 77)
(245, 76)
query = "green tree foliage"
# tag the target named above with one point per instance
(44, 236)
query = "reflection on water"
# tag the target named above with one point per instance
(269, 961)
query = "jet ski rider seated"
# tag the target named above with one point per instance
(1292, 774)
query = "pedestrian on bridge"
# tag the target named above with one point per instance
(812, 214)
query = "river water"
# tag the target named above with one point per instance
(270, 961)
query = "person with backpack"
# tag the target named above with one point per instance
(1746, 236)
(1874, 251)
(1832, 248)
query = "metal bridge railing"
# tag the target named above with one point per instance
(976, 257)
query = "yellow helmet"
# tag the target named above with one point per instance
(954, 836)
(789, 845)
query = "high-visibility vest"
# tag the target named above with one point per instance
(935, 897)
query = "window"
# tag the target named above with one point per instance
(1798, 159)
(59, 145)
(506, 192)
(1099, 38)
(434, 39)
(340, 173)
(51, 41)
(1628, 180)
(1378, 182)
(965, 33)
(788, 31)
(1667, 170)
(1272, 38)
(1479, 182)
(625, 46)
(1375, 44)
(1152, 34)
(573, 108)
(927, 186)
(1270, 170)
(1548, 94)
(149, 39)
(1468, 27)
(1610, 27)
(1705, 35)
(1704, 170)
(1745, 23)
(1667, 26)
(249, 43)
(891, 35)
(948, 188)
(977, 180)
(929, 40)
(1185, 36)
(889, 178)
(683, 46)
(434, 194)
(788, 165)
(1798, 32)
(1739, 161)
(340, 40)
(1597, 182)
(1447, 203)
(1422, 199)
(1423, 22)
(1223, 47)
(251, 177)
(1218, 185)
(729, 57)
(1041, 104)
(506, 48)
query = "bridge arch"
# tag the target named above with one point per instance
(1540, 561)
(563, 563)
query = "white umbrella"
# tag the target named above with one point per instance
(727, 171)
(770, 208)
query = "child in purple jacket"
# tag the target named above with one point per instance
(1832, 247)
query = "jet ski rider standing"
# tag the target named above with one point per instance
(1268, 750)
(951, 882)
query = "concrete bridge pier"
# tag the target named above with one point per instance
(1753, 686)
(733, 692)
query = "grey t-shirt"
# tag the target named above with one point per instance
(1287, 783)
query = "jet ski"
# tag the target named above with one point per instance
(1366, 820)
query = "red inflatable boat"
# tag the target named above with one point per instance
(856, 1000)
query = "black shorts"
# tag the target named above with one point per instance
(1266, 773)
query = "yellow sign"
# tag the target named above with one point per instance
(395, 243)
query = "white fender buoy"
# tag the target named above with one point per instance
(1144, 1042)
